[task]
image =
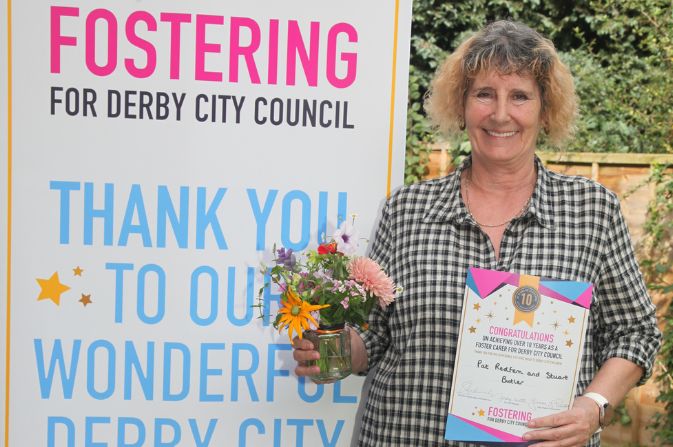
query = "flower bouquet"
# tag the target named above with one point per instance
(325, 290)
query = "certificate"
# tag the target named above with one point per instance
(519, 353)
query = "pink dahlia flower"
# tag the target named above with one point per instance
(373, 279)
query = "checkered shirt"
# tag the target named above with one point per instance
(573, 229)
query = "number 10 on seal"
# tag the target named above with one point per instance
(519, 334)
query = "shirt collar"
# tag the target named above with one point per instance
(449, 207)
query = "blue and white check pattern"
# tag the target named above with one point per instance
(426, 240)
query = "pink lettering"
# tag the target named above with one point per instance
(351, 59)
(147, 47)
(295, 46)
(176, 20)
(272, 68)
(202, 47)
(58, 40)
(236, 50)
(111, 63)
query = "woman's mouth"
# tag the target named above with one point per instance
(493, 133)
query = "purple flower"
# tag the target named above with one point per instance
(286, 258)
(345, 302)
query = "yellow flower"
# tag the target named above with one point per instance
(296, 313)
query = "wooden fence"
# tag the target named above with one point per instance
(627, 175)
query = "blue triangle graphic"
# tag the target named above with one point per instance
(459, 430)
(570, 289)
(471, 284)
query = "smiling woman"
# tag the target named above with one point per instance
(500, 210)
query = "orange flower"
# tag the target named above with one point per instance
(296, 313)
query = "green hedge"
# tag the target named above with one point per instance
(620, 52)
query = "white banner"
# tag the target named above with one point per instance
(156, 152)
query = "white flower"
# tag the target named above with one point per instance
(346, 238)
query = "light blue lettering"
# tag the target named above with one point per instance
(89, 423)
(231, 296)
(287, 224)
(207, 372)
(242, 431)
(194, 295)
(69, 431)
(205, 219)
(161, 294)
(169, 347)
(339, 399)
(305, 396)
(106, 213)
(122, 423)
(327, 442)
(277, 430)
(261, 215)
(272, 372)
(159, 424)
(132, 363)
(237, 372)
(56, 359)
(300, 424)
(108, 348)
(64, 213)
(119, 286)
(202, 442)
(165, 208)
(135, 207)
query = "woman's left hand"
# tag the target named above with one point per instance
(568, 428)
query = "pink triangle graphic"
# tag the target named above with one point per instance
(488, 280)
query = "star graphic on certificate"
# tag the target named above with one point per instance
(571, 319)
(490, 315)
(569, 343)
(481, 412)
(77, 271)
(473, 329)
(51, 289)
(476, 306)
(86, 299)
(555, 324)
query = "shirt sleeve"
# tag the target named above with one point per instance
(377, 336)
(626, 320)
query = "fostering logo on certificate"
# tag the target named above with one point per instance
(519, 353)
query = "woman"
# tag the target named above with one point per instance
(500, 210)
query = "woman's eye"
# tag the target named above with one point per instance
(484, 96)
(519, 97)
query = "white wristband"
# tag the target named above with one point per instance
(603, 405)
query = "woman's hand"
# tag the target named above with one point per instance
(304, 351)
(568, 428)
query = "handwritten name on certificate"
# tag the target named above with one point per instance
(519, 353)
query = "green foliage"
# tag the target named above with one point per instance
(658, 268)
(620, 52)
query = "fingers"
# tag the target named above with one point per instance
(564, 429)
(302, 353)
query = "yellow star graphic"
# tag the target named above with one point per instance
(473, 329)
(77, 271)
(482, 412)
(51, 289)
(86, 299)
(569, 343)
(476, 306)
(571, 319)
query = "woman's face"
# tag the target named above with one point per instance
(503, 117)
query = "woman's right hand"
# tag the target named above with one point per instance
(303, 351)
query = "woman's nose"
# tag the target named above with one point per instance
(500, 110)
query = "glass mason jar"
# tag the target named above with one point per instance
(334, 345)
